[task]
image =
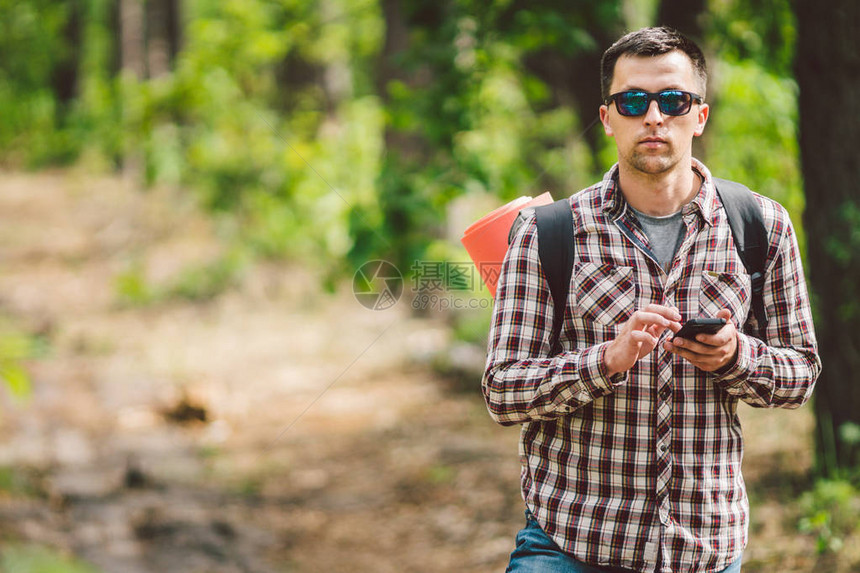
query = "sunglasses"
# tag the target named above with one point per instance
(636, 102)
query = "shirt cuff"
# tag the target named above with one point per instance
(592, 372)
(744, 366)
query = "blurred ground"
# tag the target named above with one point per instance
(270, 429)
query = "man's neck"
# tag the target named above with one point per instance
(659, 195)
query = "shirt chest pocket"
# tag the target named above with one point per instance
(725, 290)
(605, 294)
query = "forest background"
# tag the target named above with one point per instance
(325, 134)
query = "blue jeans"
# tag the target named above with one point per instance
(536, 552)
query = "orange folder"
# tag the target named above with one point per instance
(486, 240)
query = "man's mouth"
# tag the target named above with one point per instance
(653, 143)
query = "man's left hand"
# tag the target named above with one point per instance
(709, 352)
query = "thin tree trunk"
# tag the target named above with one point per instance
(133, 63)
(157, 38)
(684, 16)
(131, 17)
(174, 28)
(65, 77)
(575, 78)
(396, 42)
(828, 73)
(337, 77)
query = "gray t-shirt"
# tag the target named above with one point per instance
(665, 235)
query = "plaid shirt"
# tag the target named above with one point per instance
(643, 469)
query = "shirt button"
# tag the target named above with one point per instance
(662, 448)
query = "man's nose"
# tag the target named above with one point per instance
(653, 116)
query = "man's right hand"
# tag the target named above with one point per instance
(638, 337)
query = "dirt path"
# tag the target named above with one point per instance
(327, 444)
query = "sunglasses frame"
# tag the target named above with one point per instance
(654, 96)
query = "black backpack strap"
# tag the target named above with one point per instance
(750, 235)
(555, 248)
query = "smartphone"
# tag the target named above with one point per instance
(696, 326)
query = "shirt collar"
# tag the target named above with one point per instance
(614, 203)
(704, 203)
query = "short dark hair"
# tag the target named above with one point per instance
(651, 42)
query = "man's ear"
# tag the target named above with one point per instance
(604, 119)
(701, 119)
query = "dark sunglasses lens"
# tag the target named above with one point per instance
(674, 102)
(632, 103)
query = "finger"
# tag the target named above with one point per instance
(657, 331)
(707, 361)
(724, 313)
(698, 360)
(695, 346)
(715, 340)
(668, 312)
(643, 337)
(643, 319)
(722, 337)
(645, 343)
(679, 351)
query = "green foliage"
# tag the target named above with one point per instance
(849, 432)
(196, 283)
(831, 512)
(466, 115)
(15, 480)
(261, 135)
(440, 474)
(20, 558)
(753, 133)
(131, 286)
(760, 31)
(33, 47)
(472, 326)
(209, 280)
(15, 377)
(326, 146)
(15, 348)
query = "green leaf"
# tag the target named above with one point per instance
(16, 379)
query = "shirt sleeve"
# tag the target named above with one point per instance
(781, 370)
(521, 382)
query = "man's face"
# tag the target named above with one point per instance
(654, 143)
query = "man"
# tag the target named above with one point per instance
(630, 446)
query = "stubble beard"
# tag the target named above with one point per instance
(650, 164)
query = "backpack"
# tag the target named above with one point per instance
(555, 247)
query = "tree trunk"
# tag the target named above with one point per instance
(575, 78)
(65, 78)
(174, 28)
(157, 38)
(337, 81)
(684, 16)
(131, 16)
(396, 43)
(163, 36)
(828, 73)
(132, 62)
(403, 204)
